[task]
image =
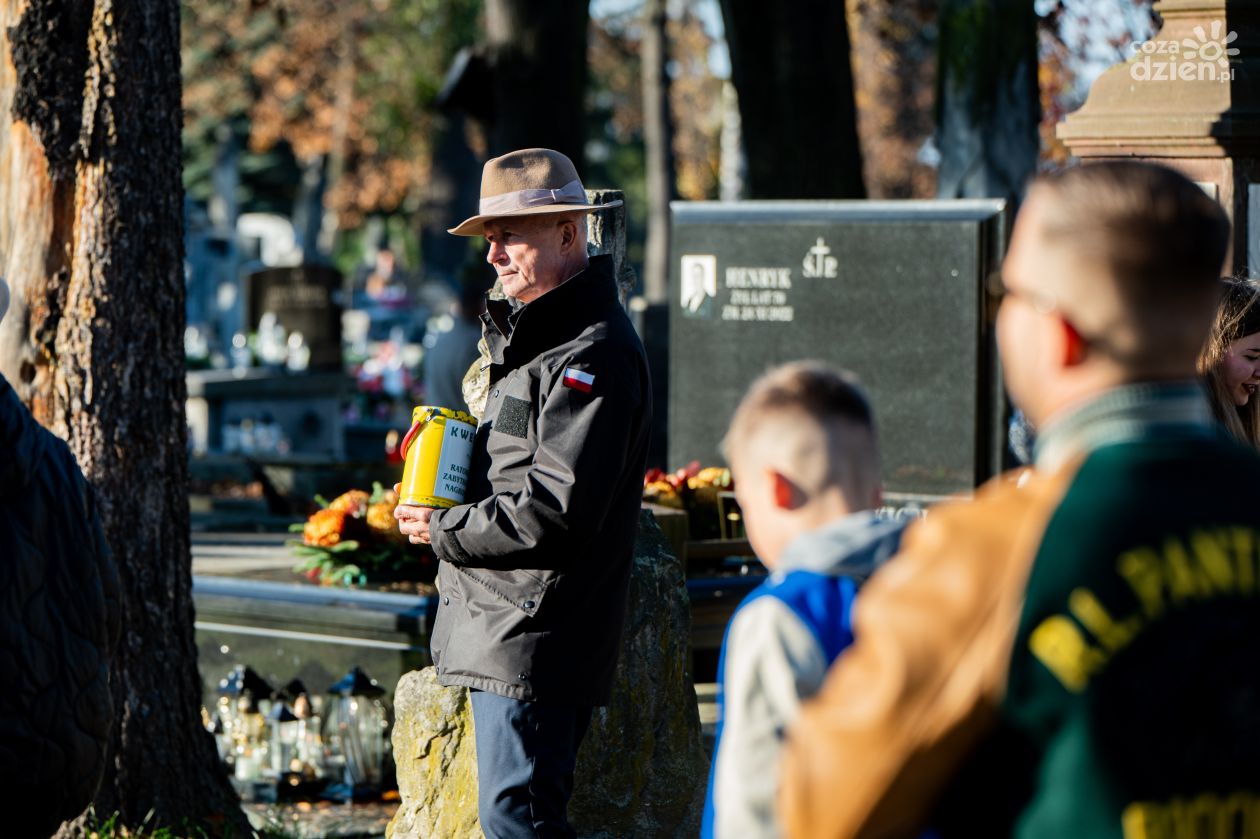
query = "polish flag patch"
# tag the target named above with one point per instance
(578, 380)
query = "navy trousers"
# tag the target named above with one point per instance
(526, 752)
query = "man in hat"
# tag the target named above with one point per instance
(58, 627)
(1071, 654)
(536, 562)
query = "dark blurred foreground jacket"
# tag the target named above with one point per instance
(59, 621)
(535, 568)
(1073, 656)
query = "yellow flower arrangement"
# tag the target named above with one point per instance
(354, 538)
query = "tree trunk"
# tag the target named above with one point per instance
(91, 219)
(330, 229)
(894, 68)
(451, 196)
(988, 105)
(537, 56)
(790, 66)
(658, 138)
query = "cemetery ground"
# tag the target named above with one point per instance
(252, 609)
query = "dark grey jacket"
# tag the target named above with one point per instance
(535, 567)
(59, 626)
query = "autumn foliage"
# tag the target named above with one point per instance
(351, 84)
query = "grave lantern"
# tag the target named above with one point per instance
(309, 745)
(243, 682)
(356, 729)
(284, 742)
(244, 697)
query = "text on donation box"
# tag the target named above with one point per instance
(452, 471)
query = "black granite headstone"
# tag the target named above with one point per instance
(302, 299)
(893, 291)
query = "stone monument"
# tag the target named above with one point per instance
(1188, 98)
(302, 299)
(642, 770)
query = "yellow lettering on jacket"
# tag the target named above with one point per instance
(1113, 634)
(1206, 565)
(1207, 816)
(1182, 577)
(1062, 648)
(1141, 570)
(1211, 550)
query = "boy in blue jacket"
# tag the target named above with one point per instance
(803, 452)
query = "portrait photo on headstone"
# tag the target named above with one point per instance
(699, 285)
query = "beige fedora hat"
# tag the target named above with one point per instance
(528, 182)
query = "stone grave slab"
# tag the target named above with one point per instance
(302, 299)
(893, 291)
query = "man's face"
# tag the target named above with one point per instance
(696, 292)
(526, 254)
(1025, 331)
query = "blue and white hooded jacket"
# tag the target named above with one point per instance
(778, 647)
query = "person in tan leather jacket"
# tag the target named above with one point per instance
(1071, 655)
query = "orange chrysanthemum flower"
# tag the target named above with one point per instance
(324, 528)
(352, 503)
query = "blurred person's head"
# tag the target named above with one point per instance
(1230, 360)
(378, 283)
(385, 262)
(1111, 279)
(803, 452)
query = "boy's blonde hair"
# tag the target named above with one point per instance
(812, 423)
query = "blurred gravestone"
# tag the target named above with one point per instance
(892, 291)
(301, 297)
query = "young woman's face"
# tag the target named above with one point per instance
(1242, 368)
